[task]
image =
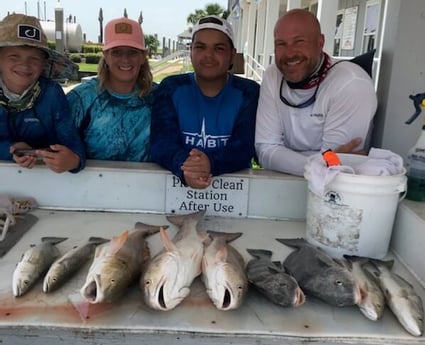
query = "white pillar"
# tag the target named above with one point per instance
(326, 13)
(293, 4)
(272, 15)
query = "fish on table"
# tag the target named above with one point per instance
(34, 263)
(170, 273)
(223, 271)
(320, 275)
(373, 304)
(400, 296)
(68, 264)
(271, 279)
(117, 264)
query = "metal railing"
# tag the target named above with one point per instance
(253, 69)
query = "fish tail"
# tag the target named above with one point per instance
(53, 240)
(279, 265)
(260, 253)
(97, 240)
(292, 242)
(228, 236)
(153, 230)
(382, 263)
(178, 220)
(144, 226)
(354, 258)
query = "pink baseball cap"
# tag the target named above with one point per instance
(124, 32)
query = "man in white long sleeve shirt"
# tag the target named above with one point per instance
(309, 103)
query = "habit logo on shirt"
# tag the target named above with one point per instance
(29, 32)
(204, 140)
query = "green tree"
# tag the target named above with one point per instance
(210, 9)
(152, 44)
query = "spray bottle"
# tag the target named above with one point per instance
(416, 156)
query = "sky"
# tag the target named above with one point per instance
(167, 18)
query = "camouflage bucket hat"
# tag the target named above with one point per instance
(21, 30)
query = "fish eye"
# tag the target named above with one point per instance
(339, 282)
(26, 282)
(148, 282)
(240, 287)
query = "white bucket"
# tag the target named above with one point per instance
(355, 214)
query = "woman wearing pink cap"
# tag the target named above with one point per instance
(113, 111)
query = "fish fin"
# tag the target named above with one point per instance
(293, 242)
(53, 240)
(166, 241)
(221, 255)
(227, 236)
(205, 238)
(97, 240)
(259, 253)
(117, 242)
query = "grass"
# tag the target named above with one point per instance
(87, 67)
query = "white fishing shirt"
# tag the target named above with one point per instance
(285, 136)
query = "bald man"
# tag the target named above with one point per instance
(308, 102)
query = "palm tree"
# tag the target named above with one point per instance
(100, 18)
(210, 9)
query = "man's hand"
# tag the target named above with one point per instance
(60, 159)
(25, 161)
(350, 147)
(197, 170)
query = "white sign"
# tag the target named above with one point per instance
(226, 196)
(349, 28)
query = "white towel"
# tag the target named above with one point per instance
(380, 163)
(320, 176)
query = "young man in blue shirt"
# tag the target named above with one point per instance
(203, 123)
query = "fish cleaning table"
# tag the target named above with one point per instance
(62, 317)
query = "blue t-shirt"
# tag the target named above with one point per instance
(113, 126)
(222, 126)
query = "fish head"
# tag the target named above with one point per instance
(52, 278)
(227, 287)
(106, 281)
(283, 289)
(371, 310)
(162, 283)
(23, 279)
(413, 321)
(337, 286)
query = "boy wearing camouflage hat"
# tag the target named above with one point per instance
(35, 122)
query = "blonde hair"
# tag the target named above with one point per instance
(144, 79)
